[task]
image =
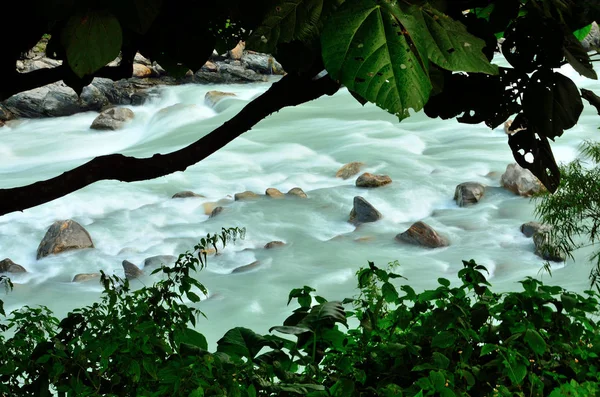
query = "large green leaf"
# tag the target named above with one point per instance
(191, 337)
(91, 40)
(535, 341)
(324, 315)
(242, 342)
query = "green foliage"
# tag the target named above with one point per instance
(573, 212)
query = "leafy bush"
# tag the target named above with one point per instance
(451, 341)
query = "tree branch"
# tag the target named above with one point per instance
(291, 90)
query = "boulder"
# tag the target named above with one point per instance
(186, 194)
(213, 97)
(274, 244)
(274, 193)
(52, 100)
(296, 191)
(64, 236)
(5, 115)
(158, 260)
(209, 207)
(592, 40)
(349, 170)
(371, 180)
(8, 266)
(216, 211)
(83, 277)
(227, 74)
(363, 212)
(210, 67)
(261, 63)
(546, 249)
(142, 60)
(424, 235)
(237, 52)
(142, 71)
(468, 193)
(247, 195)
(112, 119)
(131, 270)
(246, 268)
(520, 181)
(531, 228)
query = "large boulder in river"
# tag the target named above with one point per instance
(546, 248)
(261, 63)
(274, 193)
(213, 97)
(8, 266)
(363, 212)
(64, 236)
(296, 191)
(349, 170)
(520, 181)
(112, 119)
(131, 270)
(468, 193)
(247, 195)
(424, 235)
(371, 180)
(531, 228)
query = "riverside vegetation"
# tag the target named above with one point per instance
(460, 340)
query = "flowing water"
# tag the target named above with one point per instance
(302, 146)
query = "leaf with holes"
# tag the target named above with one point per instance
(91, 40)
(552, 103)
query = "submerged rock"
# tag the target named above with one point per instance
(274, 244)
(158, 260)
(187, 194)
(371, 180)
(246, 268)
(274, 193)
(349, 170)
(520, 181)
(424, 235)
(247, 195)
(363, 212)
(296, 191)
(83, 277)
(64, 236)
(112, 119)
(131, 270)
(531, 228)
(468, 193)
(8, 266)
(546, 248)
(213, 97)
(216, 211)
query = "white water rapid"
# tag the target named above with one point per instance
(302, 146)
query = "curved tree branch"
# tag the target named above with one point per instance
(291, 90)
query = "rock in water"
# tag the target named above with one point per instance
(296, 191)
(274, 244)
(131, 270)
(424, 235)
(247, 195)
(186, 194)
(246, 268)
(274, 193)
(546, 249)
(468, 193)
(520, 181)
(83, 277)
(363, 212)
(112, 119)
(158, 260)
(64, 236)
(371, 180)
(8, 266)
(216, 212)
(213, 97)
(349, 170)
(531, 228)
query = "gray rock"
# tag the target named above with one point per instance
(274, 193)
(228, 74)
(424, 235)
(64, 236)
(247, 195)
(112, 119)
(186, 194)
(274, 244)
(246, 268)
(159, 260)
(363, 212)
(370, 180)
(8, 266)
(213, 97)
(139, 58)
(592, 40)
(468, 193)
(216, 211)
(131, 270)
(545, 247)
(5, 114)
(349, 170)
(530, 228)
(261, 63)
(520, 181)
(296, 191)
(83, 277)
(52, 100)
